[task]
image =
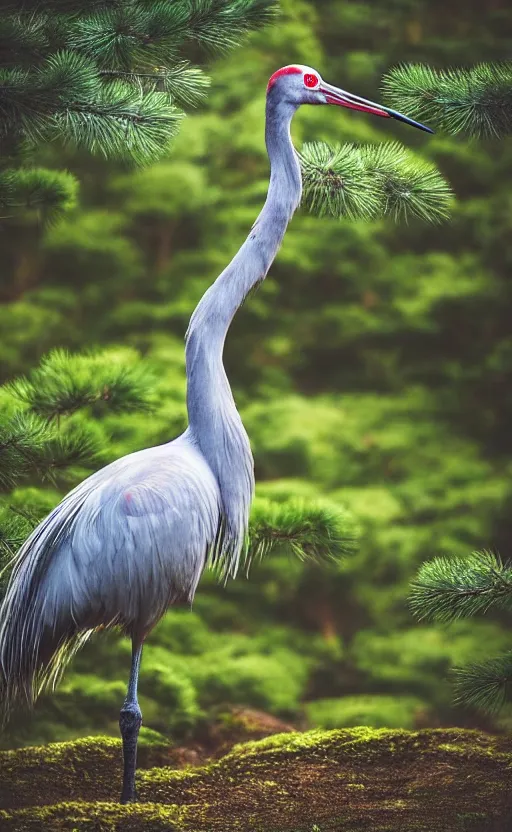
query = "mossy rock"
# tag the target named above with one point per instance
(237, 724)
(358, 779)
(94, 817)
(72, 770)
(64, 771)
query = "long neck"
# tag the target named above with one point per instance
(214, 422)
(214, 313)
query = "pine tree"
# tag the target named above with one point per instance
(477, 102)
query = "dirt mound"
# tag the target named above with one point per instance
(336, 781)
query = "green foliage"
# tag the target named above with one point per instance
(308, 530)
(63, 384)
(485, 685)
(35, 447)
(106, 78)
(124, 124)
(273, 682)
(43, 192)
(21, 440)
(419, 661)
(447, 589)
(374, 711)
(185, 84)
(371, 181)
(150, 32)
(410, 187)
(14, 529)
(336, 182)
(477, 101)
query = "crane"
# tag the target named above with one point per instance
(134, 537)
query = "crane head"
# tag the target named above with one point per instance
(300, 84)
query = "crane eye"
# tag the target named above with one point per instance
(310, 80)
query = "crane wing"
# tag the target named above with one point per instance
(122, 546)
(139, 538)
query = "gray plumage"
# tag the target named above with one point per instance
(135, 536)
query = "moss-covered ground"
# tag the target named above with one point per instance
(336, 781)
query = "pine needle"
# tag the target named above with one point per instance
(372, 181)
(409, 186)
(336, 182)
(486, 685)
(14, 529)
(46, 192)
(76, 447)
(476, 101)
(317, 531)
(64, 383)
(219, 25)
(121, 122)
(22, 438)
(186, 85)
(447, 589)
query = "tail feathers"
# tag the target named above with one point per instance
(32, 658)
(38, 630)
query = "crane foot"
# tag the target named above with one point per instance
(130, 720)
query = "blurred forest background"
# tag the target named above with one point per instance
(372, 369)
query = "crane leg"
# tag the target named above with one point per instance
(130, 720)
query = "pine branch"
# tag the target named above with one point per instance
(187, 85)
(487, 685)
(66, 100)
(371, 181)
(448, 589)
(63, 384)
(22, 438)
(409, 185)
(121, 122)
(24, 38)
(14, 529)
(47, 192)
(475, 101)
(137, 33)
(32, 447)
(122, 36)
(30, 99)
(336, 182)
(219, 25)
(77, 447)
(319, 531)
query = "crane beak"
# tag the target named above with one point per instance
(333, 95)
